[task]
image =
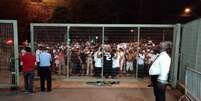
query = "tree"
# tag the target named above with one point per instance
(61, 15)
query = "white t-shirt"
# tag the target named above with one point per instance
(116, 61)
(98, 60)
(140, 59)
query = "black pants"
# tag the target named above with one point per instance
(28, 81)
(140, 71)
(45, 75)
(158, 88)
(146, 69)
(98, 71)
(107, 71)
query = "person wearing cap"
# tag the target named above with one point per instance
(159, 71)
(45, 60)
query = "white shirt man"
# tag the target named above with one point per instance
(161, 67)
(159, 71)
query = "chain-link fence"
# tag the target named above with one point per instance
(100, 50)
(9, 74)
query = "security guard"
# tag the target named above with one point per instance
(45, 69)
(159, 71)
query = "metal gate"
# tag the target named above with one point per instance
(90, 39)
(190, 70)
(9, 71)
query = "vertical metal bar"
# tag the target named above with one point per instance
(193, 83)
(191, 80)
(138, 44)
(193, 90)
(197, 87)
(32, 37)
(186, 84)
(175, 54)
(16, 53)
(197, 42)
(103, 39)
(199, 81)
(135, 56)
(68, 53)
(181, 69)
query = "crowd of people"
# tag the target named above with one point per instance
(109, 60)
(88, 59)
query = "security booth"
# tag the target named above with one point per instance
(87, 51)
(9, 66)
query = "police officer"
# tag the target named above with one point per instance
(45, 69)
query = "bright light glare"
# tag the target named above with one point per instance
(9, 41)
(187, 10)
(131, 30)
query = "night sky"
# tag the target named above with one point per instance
(98, 11)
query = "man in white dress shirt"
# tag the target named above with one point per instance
(159, 71)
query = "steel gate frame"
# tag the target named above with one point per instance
(16, 55)
(175, 48)
(191, 74)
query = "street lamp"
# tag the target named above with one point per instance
(187, 10)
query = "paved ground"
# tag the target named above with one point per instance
(68, 90)
(89, 94)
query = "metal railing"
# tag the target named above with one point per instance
(193, 84)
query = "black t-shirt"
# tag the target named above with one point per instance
(107, 60)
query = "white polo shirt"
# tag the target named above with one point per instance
(161, 66)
